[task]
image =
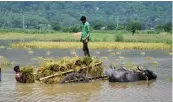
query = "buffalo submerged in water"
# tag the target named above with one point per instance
(124, 75)
(118, 75)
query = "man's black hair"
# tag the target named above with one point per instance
(16, 68)
(83, 18)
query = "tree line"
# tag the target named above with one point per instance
(102, 15)
(131, 26)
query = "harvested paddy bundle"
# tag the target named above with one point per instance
(53, 71)
(27, 74)
(95, 68)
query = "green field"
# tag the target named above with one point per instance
(96, 36)
(50, 39)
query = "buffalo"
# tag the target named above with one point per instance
(124, 75)
(117, 75)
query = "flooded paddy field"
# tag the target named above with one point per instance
(96, 91)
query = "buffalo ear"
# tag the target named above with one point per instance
(114, 67)
(139, 69)
(111, 66)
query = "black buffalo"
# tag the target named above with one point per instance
(124, 75)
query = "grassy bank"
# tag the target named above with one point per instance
(95, 45)
(26, 31)
(45, 31)
(36, 37)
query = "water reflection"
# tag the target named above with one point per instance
(74, 92)
(50, 89)
(132, 84)
(24, 89)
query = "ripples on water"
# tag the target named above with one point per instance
(96, 91)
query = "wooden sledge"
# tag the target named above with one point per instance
(104, 77)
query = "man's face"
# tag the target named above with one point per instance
(18, 70)
(83, 21)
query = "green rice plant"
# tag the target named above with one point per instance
(170, 53)
(151, 62)
(142, 53)
(156, 64)
(48, 53)
(118, 53)
(121, 58)
(149, 58)
(148, 38)
(9, 48)
(116, 63)
(113, 53)
(119, 38)
(105, 39)
(39, 58)
(147, 32)
(2, 46)
(170, 79)
(130, 65)
(104, 58)
(5, 62)
(168, 42)
(30, 52)
(73, 52)
(97, 52)
(110, 50)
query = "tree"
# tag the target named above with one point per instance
(56, 26)
(98, 25)
(68, 13)
(159, 27)
(74, 29)
(133, 26)
(111, 27)
(168, 27)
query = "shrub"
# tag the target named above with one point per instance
(119, 38)
(111, 27)
(74, 29)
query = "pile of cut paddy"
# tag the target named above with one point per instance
(87, 66)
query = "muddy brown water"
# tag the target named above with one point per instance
(159, 90)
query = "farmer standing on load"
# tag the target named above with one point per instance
(0, 74)
(85, 36)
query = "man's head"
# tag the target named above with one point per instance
(16, 69)
(83, 19)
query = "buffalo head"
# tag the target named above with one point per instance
(147, 73)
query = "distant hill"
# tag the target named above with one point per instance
(68, 13)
